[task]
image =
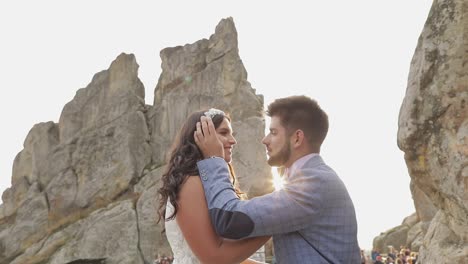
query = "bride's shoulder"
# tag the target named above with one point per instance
(192, 183)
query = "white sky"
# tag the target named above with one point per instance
(352, 56)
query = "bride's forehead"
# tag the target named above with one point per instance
(225, 124)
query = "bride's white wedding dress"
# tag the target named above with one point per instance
(182, 252)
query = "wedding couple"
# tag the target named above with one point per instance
(312, 219)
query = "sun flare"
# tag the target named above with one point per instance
(278, 181)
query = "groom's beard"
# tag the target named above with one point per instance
(283, 155)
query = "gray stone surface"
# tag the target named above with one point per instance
(84, 190)
(433, 129)
(209, 73)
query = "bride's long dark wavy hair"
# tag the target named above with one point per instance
(182, 163)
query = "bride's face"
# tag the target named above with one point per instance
(225, 135)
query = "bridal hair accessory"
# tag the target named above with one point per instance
(212, 112)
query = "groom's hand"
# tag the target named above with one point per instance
(207, 140)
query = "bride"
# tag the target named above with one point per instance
(183, 206)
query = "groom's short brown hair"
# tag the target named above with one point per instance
(304, 113)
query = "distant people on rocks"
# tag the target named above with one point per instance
(378, 260)
(391, 252)
(389, 260)
(374, 255)
(363, 257)
(404, 256)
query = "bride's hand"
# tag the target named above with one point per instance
(207, 140)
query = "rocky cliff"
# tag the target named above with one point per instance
(84, 189)
(433, 129)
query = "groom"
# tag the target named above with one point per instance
(312, 219)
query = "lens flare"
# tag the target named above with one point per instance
(278, 181)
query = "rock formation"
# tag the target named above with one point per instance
(84, 189)
(407, 234)
(433, 129)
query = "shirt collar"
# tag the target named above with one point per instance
(299, 163)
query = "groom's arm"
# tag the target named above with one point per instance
(290, 209)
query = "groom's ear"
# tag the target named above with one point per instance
(298, 138)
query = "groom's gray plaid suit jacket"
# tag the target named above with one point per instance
(312, 219)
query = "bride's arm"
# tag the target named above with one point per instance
(194, 221)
